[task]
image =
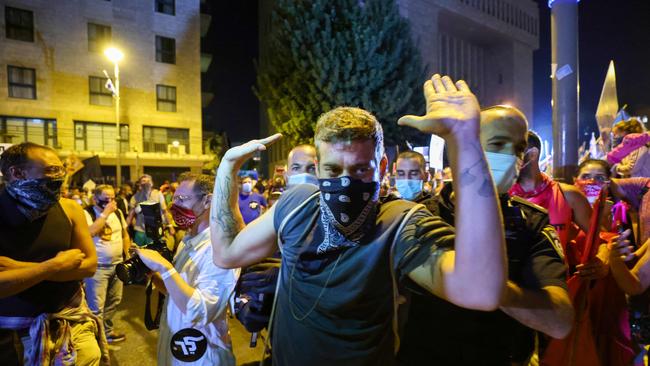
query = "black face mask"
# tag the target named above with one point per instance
(101, 203)
(35, 196)
(348, 205)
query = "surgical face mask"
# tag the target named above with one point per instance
(504, 169)
(409, 188)
(36, 196)
(247, 187)
(302, 178)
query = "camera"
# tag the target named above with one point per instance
(133, 270)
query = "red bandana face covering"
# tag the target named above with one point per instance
(590, 188)
(183, 217)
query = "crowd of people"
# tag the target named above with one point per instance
(491, 262)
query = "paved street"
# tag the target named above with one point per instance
(140, 345)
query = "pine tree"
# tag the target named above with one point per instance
(328, 53)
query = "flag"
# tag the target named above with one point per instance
(608, 104)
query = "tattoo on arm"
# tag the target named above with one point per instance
(468, 178)
(221, 211)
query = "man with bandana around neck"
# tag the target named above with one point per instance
(45, 252)
(565, 203)
(198, 291)
(111, 237)
(335, 304)
(536, 297)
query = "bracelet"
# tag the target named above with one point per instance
(168, 274)
(103, 216)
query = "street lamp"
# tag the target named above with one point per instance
(115, 56)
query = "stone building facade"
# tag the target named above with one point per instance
(53, 88)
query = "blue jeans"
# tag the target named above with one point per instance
(104, 294)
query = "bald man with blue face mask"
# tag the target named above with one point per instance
(536, 298)
(411, 175)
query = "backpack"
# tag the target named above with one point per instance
(93, 215)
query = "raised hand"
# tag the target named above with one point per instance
(239, 154)
(621, 249)
(452, 110)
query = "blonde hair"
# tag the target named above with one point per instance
(347, 124)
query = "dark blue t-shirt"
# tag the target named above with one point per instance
(250, 206)
(337, 308)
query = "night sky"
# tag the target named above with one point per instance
(618, 30)
(609, 30)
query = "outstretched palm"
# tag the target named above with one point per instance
(239, 154)
(452, 109)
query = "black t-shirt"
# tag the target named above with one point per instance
(440, 333)
(337, 308)
(35, 241)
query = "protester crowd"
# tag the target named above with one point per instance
(337, 259)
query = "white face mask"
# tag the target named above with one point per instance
(302, 178)
(504, 169)
(247, 187)
(409, 188)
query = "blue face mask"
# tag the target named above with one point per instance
(409, 188)
(35, 196)
(303, 178)
(504, 170)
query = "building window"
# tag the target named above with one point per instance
(99, 37)
(166, 98)
(164, 140)
(94, 136)
(14, 130)
(19, 24)
(99, 94)
(166, 7)
(165, 50)
(22, 82)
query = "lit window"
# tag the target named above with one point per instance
(22, 82)
(93, 136)
(99, 94)
(14, 130)
(166, 98)
(158, 139)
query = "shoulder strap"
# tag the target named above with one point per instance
(405, 219)
(91, 212)
(290, 215)
(120, 217)
(277, 284)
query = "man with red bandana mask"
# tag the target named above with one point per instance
(198, 291)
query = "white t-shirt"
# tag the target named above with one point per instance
(205, 310)
(108, 241)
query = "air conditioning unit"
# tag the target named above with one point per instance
(176, 149)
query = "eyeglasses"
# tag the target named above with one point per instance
(53, 171)
(184, 198)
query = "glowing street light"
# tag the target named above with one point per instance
(115, 56)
